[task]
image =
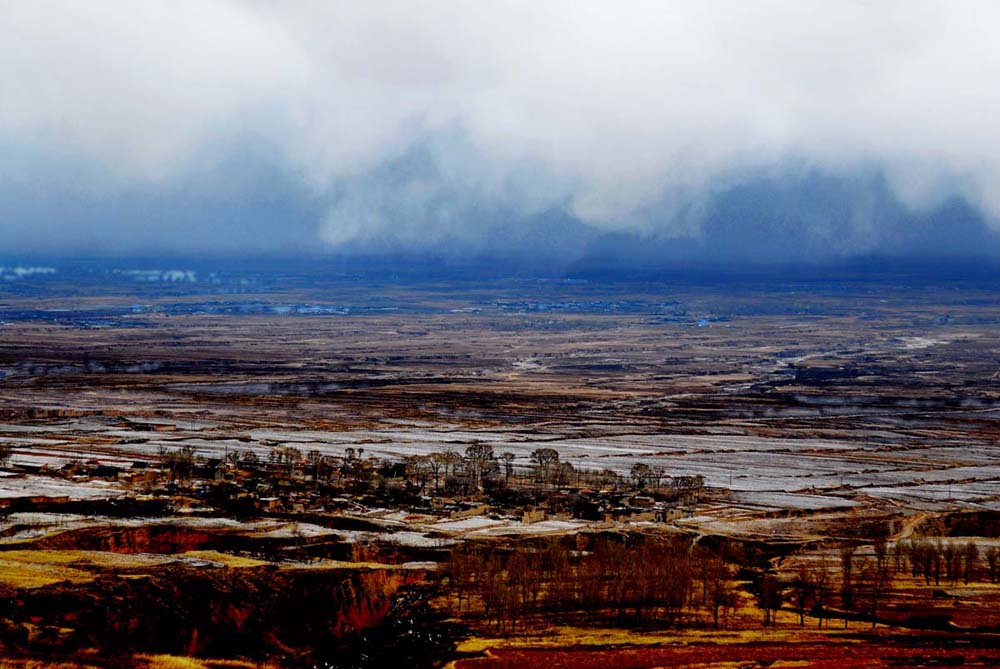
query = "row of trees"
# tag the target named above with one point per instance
(947, 561)
(866, 579)
(548, 469)
(476, 469)
(671, 581)
(481, 467)
(644, 476)
(665, 580)
(661, 580)
(179, 462)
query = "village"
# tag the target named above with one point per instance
(448, 484)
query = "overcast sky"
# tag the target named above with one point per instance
(774, 128)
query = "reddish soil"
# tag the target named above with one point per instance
(889, 652)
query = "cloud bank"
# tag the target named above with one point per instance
(247, 125)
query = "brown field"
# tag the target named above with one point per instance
(825, 654)
(819, 417)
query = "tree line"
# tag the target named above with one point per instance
(673, 581)
(949, 562)
(631, 580)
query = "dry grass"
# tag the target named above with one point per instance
(84, 558)
(173, 662)
(36, 568)
(141, 662)
(20, 574)
(574, 637)
(176, 662)
(41, 664)
(343, 564)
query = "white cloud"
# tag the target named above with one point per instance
(617, 104)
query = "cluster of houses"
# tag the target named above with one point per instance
(288, 482)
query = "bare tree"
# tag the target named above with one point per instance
(952, 562)
(315, 459)
(641, 474)
(937, 558)
(478, 458)
(461, 569)
(821, 591)
(770, 598)
(925, 558)
(607, 478)
(249, 460)
(508, 465)
(718, 593)
(847, 580)
(286, 456)
(993, 563)
(803, 593)
(451, 460)
(880, 579)
(179, 462)
(436, 462)
(418, 467)
(545, 460)
(565, 473)
(970, 556)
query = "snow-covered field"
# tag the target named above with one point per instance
(34, 486)
(766, 471)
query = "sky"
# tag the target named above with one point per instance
(722, 130)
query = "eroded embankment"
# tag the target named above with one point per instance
(176, 538)
(220, 612)
(961, 524)
(213, 592)
(165, 539)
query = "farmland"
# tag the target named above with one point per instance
(222, 430)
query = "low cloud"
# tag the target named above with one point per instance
(433, 123)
